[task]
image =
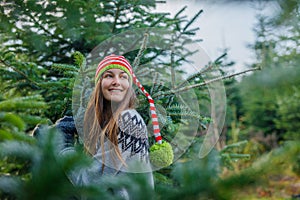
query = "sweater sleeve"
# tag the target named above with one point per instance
(133, 139)
(134, 145)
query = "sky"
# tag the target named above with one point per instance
(223, 25)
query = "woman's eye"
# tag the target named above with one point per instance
(124, 76)
(107, 76)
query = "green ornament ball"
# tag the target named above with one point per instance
(161, 155)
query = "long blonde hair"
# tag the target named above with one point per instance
(101, 120)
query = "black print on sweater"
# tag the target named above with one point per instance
(133, 134)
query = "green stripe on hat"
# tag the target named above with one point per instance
(112, 66)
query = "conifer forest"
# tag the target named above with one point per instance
(235, 134)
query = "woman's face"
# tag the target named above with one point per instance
(114, 84)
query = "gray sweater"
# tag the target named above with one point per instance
(134, 147)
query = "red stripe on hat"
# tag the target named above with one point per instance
(156, 131)
(159, 138)
(113, 59)
(151, 100)
(152, 108)
(114, 63)
(155, 123)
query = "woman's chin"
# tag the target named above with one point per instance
(116, 99)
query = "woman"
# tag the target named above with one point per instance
(114, 132)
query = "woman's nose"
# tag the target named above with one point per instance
(116, 81)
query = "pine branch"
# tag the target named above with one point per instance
(183, 31)
(155, 82)
(172, 67)
(64, 67)
(192, 20)
(234, 145)
(79, 59)
(20, 72)
(22, 103)
(116, 17)
(153, 24)
(182, 100)
(203, 70)
(67, 70)
(137, 59)
(12, 119)
(10, 105)
(29, 14)
(192, 32)
(32, 119)
(178, 90)
(184, 111)
(143, 71)
(180, 11)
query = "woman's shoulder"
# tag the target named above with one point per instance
(131, 114)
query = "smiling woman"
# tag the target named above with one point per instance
(114, 133)
(114, 84)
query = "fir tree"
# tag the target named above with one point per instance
(38, 65)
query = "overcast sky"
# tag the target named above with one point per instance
(223, 25)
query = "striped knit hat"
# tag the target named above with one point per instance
(119, 62)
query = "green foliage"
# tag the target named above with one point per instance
(278, 56)
(52, 30)
(198, 178)
(44, 47)
(40, 38)
(40, 86)
(20, 113)
(18, 75)
(231, 154)
(45, 175)
(195, 179)
(47, 167)
(261, 171)
(289, 115)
